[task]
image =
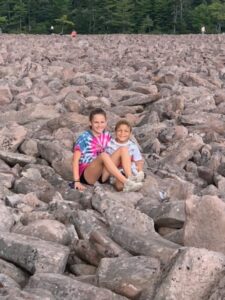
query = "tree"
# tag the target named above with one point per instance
(121, 16)
(217, 11)
(146, 24)
(64, 21)
(163, 15)
(3, 21)
(114, 16)
(142, 15)
(200, 17)
(85, 15)
(20, 14)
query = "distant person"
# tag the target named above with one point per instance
(203, 30)
(73, 34)
(52, 29)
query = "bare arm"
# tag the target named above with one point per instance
(76, 177)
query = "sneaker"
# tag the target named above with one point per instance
(131, 186)
(139, 177)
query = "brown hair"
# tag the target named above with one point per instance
(96, 111)
(123, 122)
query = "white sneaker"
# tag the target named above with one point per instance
(131, 186)
(139, 177)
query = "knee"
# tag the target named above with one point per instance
(124, 150)
(104, 155)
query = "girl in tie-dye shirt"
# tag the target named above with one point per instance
(90, 161)
(90, 146)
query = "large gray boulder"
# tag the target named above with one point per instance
(128, 276)
(192, 275)
(65, 288)
(48, 230)
(205, 220)
(20, 276)
(6, 218)
(33, 254)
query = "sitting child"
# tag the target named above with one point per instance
(90, 161)
(134, 167)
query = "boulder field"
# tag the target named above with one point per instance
(165, 242)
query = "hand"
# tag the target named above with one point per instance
(78, 186)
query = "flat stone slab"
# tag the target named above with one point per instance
(168, 214)
(66, 288)
(152, 245)
(33, 254)
(17, 294)
(16, 158)
(48, 230)
(14, 272)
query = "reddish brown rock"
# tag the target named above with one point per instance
(205, 219)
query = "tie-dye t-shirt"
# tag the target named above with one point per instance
(90, 147)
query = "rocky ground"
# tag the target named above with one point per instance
(164, 242)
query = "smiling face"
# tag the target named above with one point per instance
(123, 133)
(98, 124)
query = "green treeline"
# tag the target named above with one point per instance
(112, 16)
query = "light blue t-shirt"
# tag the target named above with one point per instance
(133, 149)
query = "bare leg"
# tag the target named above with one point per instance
(95, 169)
(120, 157)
